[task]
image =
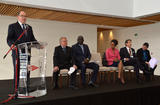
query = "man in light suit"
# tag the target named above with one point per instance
(128, 57)
(82, 57)
(63, 59)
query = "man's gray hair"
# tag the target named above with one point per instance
(62, 38)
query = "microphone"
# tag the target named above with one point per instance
(27, 26)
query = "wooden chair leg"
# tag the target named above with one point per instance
(89, 76)
(109, 76)
(114, 76)
(60, 81)
(98, 77)
(125, 75)
(129, 74)
(104, 76)
(80, 81)
(68, 79)
(52, 84)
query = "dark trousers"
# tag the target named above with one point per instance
(147, 71)
(93, 66)
(135, 63)
(17, 72)
(55, 77)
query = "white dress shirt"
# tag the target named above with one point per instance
(129, 52)
(22, 25)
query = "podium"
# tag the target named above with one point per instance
(32, 66)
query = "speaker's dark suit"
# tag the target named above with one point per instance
(14, 31)
(132, 60)
(79, 56)
(64, 60)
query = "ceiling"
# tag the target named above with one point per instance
(37, 13)
(152, 17)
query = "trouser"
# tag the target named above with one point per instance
(93, 66)
(135, 63)
(15, 56)
(55, 77)
(147, 71)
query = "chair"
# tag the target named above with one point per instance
(129, 69)
(96, 57)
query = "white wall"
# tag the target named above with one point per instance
(146, 33)
(110, 7)
(47, 31)
(145, 7)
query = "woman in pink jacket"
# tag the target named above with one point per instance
(113, 60)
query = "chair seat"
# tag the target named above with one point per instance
(64, 72)
(89, 70)
(103, 68)
(114, 68)
(129, 67)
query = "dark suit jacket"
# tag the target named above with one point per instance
(62, 59)
(78, 53)
(140, 55)
(15, 30)
(125, 54)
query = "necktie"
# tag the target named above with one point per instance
(130, 51)
(145, 56)
(64, 49)
(82, 48)
(23, 27)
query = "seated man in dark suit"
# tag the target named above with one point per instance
(63, 59)
(144, 57)
(128, 58)
(82, 57)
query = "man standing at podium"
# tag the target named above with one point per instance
(14, 31)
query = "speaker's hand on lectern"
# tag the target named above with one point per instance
(29, 68)
(55, 69)
(41, 46)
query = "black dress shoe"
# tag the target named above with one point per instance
(93, 85)
(73, 87)
(139, 81)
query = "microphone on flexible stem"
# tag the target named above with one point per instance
(27, 26)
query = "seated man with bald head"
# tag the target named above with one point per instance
(63, 59)
(82, 57)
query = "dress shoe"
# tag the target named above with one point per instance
(73, 87)
(91, 84)
(139, 81)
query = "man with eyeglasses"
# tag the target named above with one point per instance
(14, 31)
